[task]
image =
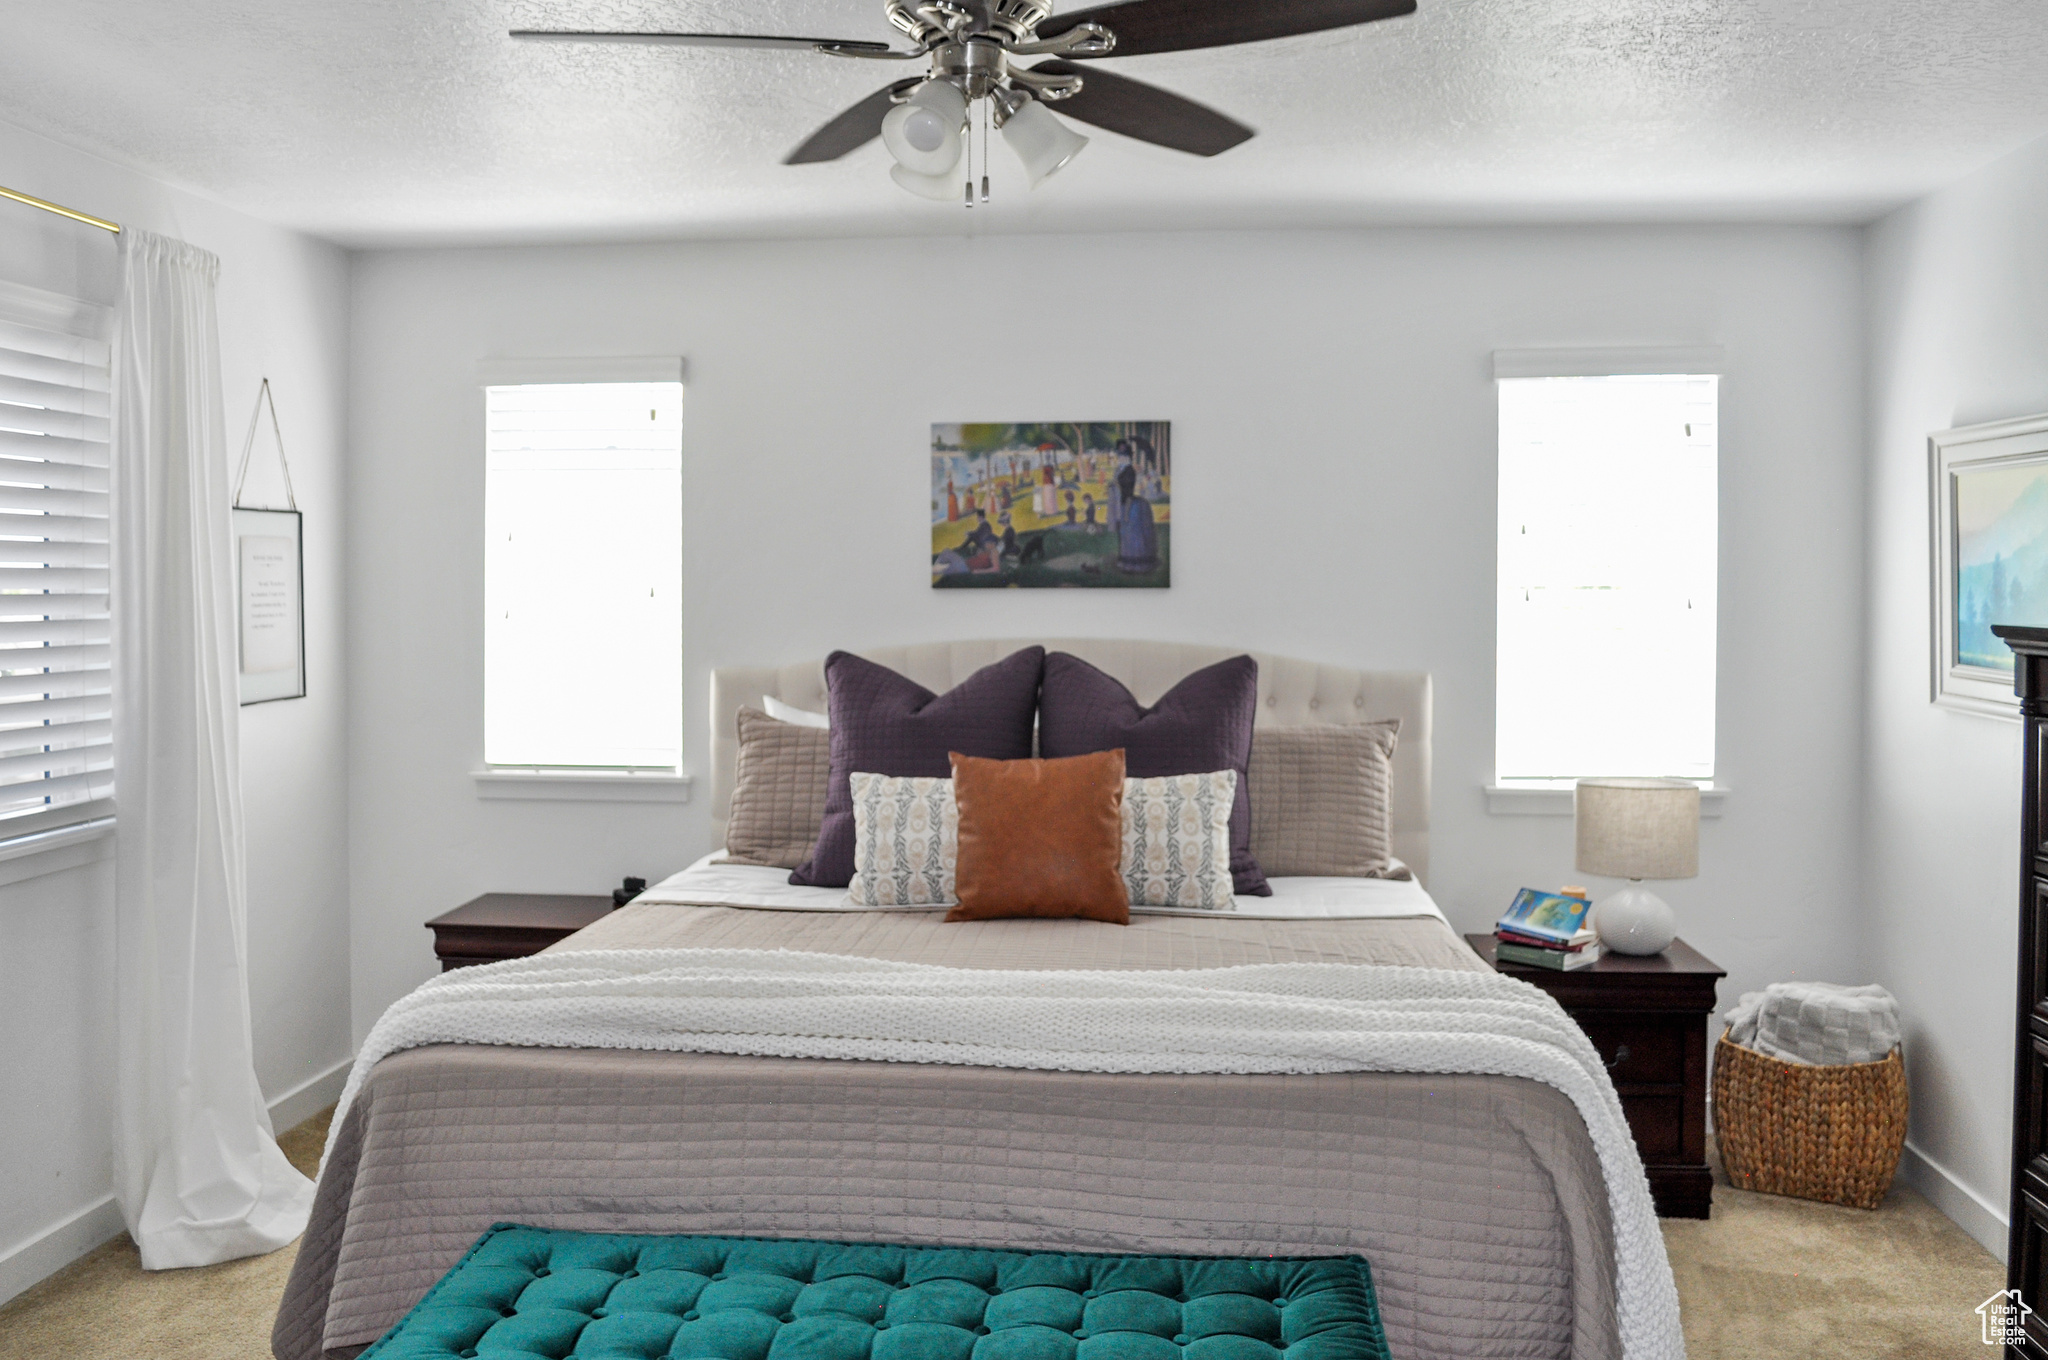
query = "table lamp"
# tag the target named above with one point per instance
(1637, 829)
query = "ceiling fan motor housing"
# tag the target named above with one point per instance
(929, 22)
(975, 67)
(1017, 20)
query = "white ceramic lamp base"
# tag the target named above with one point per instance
(1635, 921)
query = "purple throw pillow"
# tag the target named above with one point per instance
(1201, 725)
(883, 723)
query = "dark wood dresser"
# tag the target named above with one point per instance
(2027, 1247)
(1648, 1017)
(510, 926)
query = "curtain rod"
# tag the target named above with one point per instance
(102, 223)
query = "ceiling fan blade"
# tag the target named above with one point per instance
(703, 39)
(1145, 26)
(852, 129)
(1145, 111)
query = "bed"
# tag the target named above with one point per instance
(1478, 1199)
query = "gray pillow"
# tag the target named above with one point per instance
(1322, 800)
(778, 796)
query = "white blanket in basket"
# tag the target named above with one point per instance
(1279, 1018)
(1821, 1023)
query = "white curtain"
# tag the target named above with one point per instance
(197, 1167)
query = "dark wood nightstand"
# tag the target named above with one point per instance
(1648, 1018)
(510, 926)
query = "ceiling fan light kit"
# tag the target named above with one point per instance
(970, 47)
(1042, 142)
(938, 188)
(924, 132)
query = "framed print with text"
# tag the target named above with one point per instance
(270, 615)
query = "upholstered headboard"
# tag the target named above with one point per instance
(1291, 693)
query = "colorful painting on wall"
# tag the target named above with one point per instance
(1041, 506)
(2001, 557)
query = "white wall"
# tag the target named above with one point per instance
(1958, 304)
(283, 304)
(1333, 499)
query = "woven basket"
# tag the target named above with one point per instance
(1828, 1133)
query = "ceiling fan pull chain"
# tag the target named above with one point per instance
(984, 150)
(967, 189)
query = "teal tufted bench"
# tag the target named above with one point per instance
(533, 1294)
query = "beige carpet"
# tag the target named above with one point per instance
(105, 1306)
(1784, 1277)
(1765, 1277)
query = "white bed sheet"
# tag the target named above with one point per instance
(710, 884)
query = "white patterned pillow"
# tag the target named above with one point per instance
(1177, 840)
(906, 842)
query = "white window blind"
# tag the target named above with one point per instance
(56, 742)
(1608, 564)
(583, 566)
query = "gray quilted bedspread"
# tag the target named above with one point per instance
(1478, 1200)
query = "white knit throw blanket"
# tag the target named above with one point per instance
(1283, 1017)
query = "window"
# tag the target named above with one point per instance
(1607, 560)
(583, 567)
(56, 738)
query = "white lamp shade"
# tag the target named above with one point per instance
(1040, 140)
(1638, 828)
(943, 188)
(924, 132)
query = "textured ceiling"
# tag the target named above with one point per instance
(398, 121)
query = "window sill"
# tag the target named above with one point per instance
(1547, 799)
(582, 786)
(36, 853)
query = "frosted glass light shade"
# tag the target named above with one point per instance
(924, 132)
(1040, 140)
(943, 188)
(1638, 828)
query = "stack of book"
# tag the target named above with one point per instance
(1546, 930)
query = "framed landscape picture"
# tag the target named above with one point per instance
(1990, 531)
(1055, 505)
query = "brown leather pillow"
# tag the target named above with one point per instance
(1041, 838)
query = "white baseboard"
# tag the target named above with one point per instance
(1967, 1209)
(30, 1263)
(309, 1097)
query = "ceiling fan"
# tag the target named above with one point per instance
(971, 47)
